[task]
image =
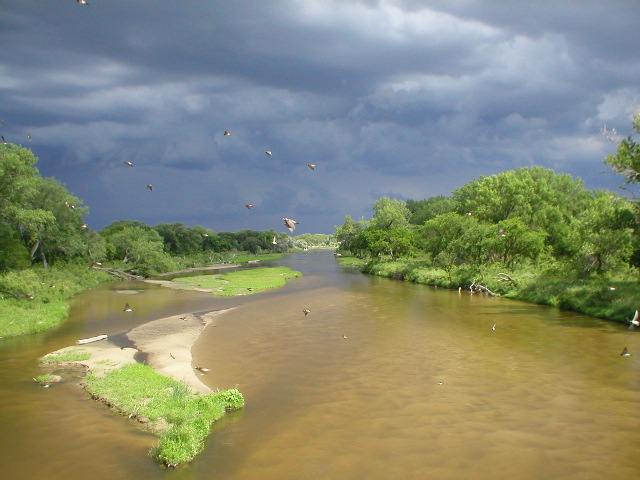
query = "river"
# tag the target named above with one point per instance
(382, 379)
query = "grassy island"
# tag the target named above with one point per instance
(242, 282)
(167, 407)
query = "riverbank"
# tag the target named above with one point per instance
(601, 297)
(147, 374)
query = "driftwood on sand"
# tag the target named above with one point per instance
(91, 339)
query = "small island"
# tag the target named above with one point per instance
(147, 374)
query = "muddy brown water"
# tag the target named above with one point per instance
(422, 387)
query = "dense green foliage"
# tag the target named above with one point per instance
(626, 161)
(538, 227)
(181, 419)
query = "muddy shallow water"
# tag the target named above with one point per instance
(421, 387)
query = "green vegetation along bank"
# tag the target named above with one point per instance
(528, 234)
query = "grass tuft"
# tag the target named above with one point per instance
(66, 355)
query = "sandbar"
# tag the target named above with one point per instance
(164, 344)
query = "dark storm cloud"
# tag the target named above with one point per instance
(402, 98)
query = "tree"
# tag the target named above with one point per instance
(390, 213)
(346, 233)
(375, 242)
(626, 161)
(423, 210)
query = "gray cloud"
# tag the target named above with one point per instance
(402, 98)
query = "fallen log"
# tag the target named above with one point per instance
(90, 340)
(117, 273)
(476, 287)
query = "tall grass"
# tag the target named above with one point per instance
(181, 419)
(610, 298)
(34, 299)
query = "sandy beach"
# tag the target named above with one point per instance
(166, 343)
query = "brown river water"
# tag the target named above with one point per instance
(422, 387)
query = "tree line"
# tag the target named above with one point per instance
(524, 218)
(41, 222)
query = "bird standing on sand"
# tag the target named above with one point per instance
(290, 224)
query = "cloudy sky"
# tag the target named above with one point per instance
(400, 98)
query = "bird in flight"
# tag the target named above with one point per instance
(127, 308)
(226, 134)
(29, 137)
(269, 152)
(290, 224)
(83, 2)
(274, 241)
(128, 163)
(3, 140)
(635, 321)
(306, 312)
(249, 206)
(150, 187)
(312, 166)
(625, 353)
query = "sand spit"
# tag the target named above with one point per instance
(166, 343)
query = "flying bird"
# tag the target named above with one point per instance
(205, 234)
(29, 137)
(150, 187)
(83, 2)
(312, 166)
(129, 163)
(268, 152)
(127, 308)
(306, 312)
(84, 225)
(290, 224)
(625, 353)
(3, 140)
(226, 134)
(202, 369)
(249, 206)
(635, 321)
(273, 242)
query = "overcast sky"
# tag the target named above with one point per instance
(407, 99)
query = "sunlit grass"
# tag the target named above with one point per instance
(20, 317)
(67, 355)
(181, 419)
(242, 282)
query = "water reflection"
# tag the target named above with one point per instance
(422, 387)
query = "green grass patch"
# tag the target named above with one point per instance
(181, 419)
(263, 257)
(242, 282)
(20, 317)
(67, 355)
(351, 261)
(35, 299)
